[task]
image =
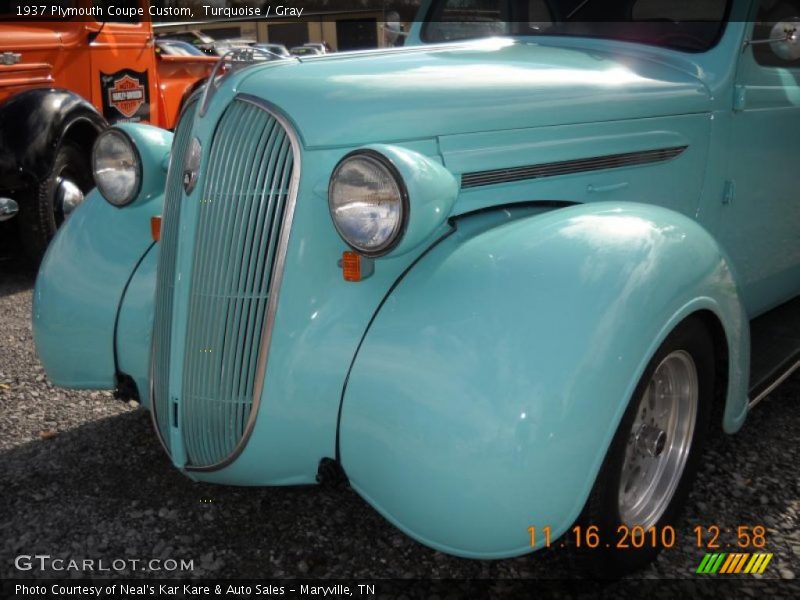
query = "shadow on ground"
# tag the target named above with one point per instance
(106, 489)
(16, 272)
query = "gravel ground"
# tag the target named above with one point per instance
(83, 476)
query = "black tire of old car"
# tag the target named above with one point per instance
(39, 215)
(606, 559)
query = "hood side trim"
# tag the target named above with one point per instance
(569, 167)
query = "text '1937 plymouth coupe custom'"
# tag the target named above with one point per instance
(498, 283)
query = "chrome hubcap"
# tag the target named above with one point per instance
(68, 196)
(659, 441)
(651, 440)
(8, 209)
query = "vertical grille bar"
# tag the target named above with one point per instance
(165, 280)
(251, 173)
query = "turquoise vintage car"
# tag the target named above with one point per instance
(499, 284)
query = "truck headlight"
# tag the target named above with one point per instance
(117, 167)
(368, 202)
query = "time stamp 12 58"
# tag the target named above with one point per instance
(710, 537)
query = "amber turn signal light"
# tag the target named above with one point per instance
(155, 227)
(356, 267)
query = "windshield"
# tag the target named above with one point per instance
(688, 25)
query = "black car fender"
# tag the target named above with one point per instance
(34, 123)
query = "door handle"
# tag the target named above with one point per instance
(602, 189)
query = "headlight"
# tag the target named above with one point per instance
(368, 202)
(117, 168)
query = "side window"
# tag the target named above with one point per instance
(454, 20)
(770, 13)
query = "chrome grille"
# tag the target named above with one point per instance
(238, 231)
(165, 281)
(238, 237)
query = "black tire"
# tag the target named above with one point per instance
(39, 217)
(602, 512)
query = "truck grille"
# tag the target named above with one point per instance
(240, 236)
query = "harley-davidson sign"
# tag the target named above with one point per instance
(125, 96)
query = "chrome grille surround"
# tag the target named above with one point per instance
(165, 278)
(244, 215)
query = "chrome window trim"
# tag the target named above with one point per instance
(275, 286)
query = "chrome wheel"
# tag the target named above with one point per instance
(659, 441)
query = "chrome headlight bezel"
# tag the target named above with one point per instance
(118, 200)
(398, 231)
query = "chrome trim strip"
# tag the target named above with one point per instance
(153, 415)
(569, 167)
(277, 278)
(774, 385)
(153, 403)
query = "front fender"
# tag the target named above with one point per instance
(80, 286)
(492, 380)
(86, 271)
(33, 122)
(134, 331)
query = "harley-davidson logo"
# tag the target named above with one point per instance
(126, 95)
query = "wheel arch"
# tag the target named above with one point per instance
(731, 358)
(83, 132)
(406, 445)
(722, 357)
(35, 122)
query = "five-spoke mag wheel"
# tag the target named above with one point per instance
(649, 468)
(659, 441)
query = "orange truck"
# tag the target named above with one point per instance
(62, 81)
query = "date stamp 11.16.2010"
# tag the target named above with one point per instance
(706, 537)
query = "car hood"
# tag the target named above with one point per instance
(488, 85)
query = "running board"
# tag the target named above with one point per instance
(775, 349)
